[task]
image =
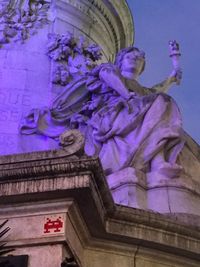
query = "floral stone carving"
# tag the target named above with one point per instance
(72, 56)
(20, 19)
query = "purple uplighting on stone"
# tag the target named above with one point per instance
(53, 81)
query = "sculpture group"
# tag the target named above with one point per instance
(124, 123)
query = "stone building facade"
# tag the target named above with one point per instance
(60, 206)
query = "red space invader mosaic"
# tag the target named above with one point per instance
(53, 225)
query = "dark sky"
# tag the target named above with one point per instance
(157, 22)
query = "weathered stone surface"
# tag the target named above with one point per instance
(190, 158)
(91, 18)
(128, 188)
(25, 69)
(21, 19)
(66, 190)
(154, 192)
(45, 256)
(50, 184)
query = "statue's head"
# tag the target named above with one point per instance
(130, 57)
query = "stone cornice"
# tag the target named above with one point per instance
(122, 23)
(44, 163)
(127, 20)
(113, 16)
(46, 169)
(48, 175)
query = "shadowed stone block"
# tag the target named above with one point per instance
(180, 194)
(128, 188)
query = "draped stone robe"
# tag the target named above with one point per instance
(121, 132)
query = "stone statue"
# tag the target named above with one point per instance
(124, 123)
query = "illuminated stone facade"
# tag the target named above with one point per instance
(60, 205)
(26, 69)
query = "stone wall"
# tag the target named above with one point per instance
(25, 68)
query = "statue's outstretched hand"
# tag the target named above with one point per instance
(175, 76)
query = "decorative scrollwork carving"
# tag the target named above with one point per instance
(20, 19)
(72, 141)
(73, 56)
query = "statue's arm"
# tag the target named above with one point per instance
(111, 77)
(165, 85)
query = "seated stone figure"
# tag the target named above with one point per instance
(124, 123)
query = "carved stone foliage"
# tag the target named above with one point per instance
(72, 56)
(20, 19)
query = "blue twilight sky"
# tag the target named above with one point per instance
(157, 22)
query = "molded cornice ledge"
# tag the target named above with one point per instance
(53, 175)
(108, 23)
(127, 20)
